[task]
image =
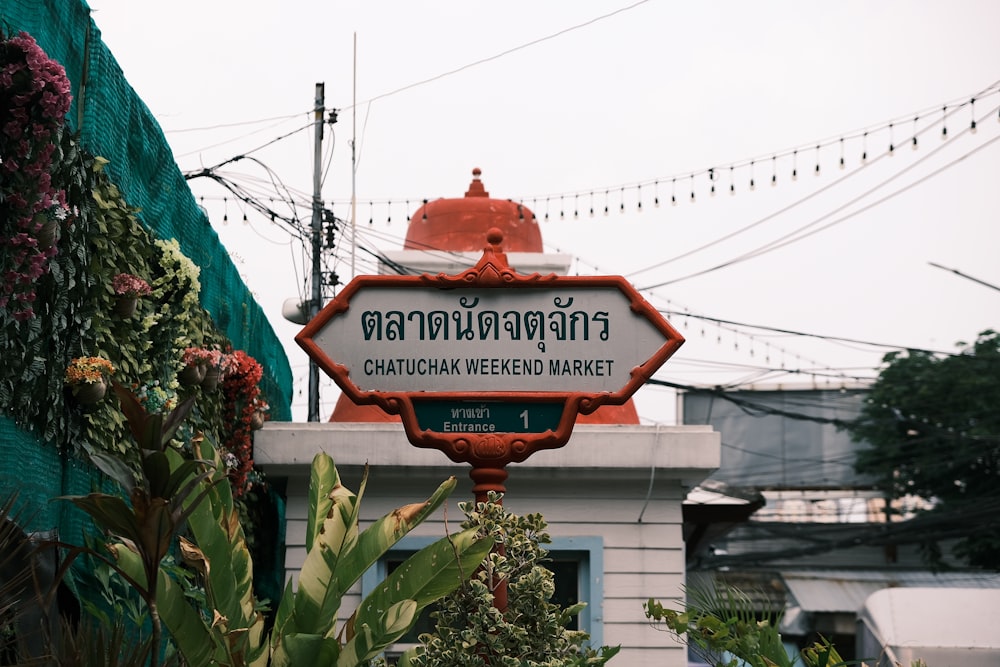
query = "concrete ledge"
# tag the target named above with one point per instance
(687, 453)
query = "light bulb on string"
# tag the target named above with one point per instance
(751, 175)
(621, 201)
(388, 213)
(371, 213)
(562, 213)
(913, 144)
(605, 203)
(576, 206)
(841, 152)
(732, 184)
(972, 106)
(673, 191)
(774, 170)
(656, 194)
(892, 143)
(795, 165)
(591, 203)
(225, 210)
(864, 147)
(407, 204)
(546, 209)
(944, 121)
(711, 181)
(692, 188)
(638, 198)
(817, 160)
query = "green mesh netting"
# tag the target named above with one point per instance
(114, 123)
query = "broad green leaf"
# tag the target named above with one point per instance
(368, 642)
(145, 427)
(323, 479)
(382, 535)
(406, 659)
(187, 629)
(110, 513)
(116, 469)
(173, 420)
(426, 576)
(156, 469)
(284, 616)
(300, 650)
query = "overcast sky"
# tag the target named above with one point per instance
(573, 105)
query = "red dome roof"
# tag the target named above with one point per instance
(460, 225)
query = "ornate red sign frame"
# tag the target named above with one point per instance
(488, 453)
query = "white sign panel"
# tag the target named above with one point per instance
(570, 339)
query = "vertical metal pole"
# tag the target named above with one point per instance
(354, 161)
(317, 235)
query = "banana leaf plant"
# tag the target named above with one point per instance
(338, 554)
(160, 498)
(226, 629)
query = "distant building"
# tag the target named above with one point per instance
(820, 546)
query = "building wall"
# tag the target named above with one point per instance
(632, 503)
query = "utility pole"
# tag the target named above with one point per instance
(317, 228)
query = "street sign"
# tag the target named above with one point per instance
(563, 338)
(489, 365)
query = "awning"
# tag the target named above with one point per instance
(845, 591)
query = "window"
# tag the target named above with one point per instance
(577, 564)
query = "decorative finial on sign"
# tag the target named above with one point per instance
(494, 237)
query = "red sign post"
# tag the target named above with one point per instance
(489, 365)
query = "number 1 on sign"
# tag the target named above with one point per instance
(524, 416)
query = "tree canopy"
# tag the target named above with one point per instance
(933, 422)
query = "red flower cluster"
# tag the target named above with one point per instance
(241, 400)
(194, 356)
(34, 99)
(125, 284)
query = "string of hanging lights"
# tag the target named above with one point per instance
(728, 177)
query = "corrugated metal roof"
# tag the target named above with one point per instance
(846, 590)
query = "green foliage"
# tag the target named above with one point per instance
(75, 316)
(339, 554)
(36, 351)
(934, 428)
(211, 614)
(471, 632)
(161, 499)
(724, 630)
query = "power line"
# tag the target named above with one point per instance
(804, 334)
(967, 277)
(800, 233)
(501, 54)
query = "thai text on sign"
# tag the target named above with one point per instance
(392, 339)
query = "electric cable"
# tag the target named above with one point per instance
(801, 231)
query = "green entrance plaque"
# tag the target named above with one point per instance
(487, 416)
